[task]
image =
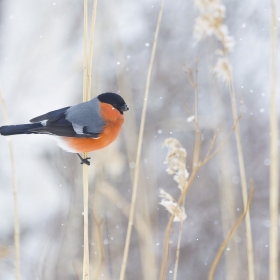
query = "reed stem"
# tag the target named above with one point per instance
(274, 199)
(15, 195)
(139, 147)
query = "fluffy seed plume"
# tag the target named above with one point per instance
(176, 160)
(222, 69)
(172, 206)
(210, 22)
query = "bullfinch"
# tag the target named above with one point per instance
(85, 127)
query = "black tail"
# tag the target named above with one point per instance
(18, 129)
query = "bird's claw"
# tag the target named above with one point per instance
(85, 161)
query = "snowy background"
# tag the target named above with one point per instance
(41, 62)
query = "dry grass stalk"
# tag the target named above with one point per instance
(85, 72)
(141, 227)
(171, 220)
(178, 251)
(274, 199)
(210, 22)
(224, 244)
(86, 243)
(89, 68)
(196, 165)
(101, 250)
(176, 160)
(86, 96)
(149, 259)
(243, 186)
(85, 167)
(186, 183)
(139, 146)
(15, 194)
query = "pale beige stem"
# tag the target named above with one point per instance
(92, 29)
(178, 251)
(15, 195)
(243, 183)
(141, 227)
(99, 242)
(274, 199)
(170, 223)
(86, 243)
(139, 147)
(85, 51)
(86, 275)
(224, 244)
(149, 262)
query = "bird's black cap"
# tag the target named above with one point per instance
(115, 100)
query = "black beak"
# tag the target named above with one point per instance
(124, 107)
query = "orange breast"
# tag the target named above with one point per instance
(113, 119)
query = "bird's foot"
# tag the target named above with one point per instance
(84, 160)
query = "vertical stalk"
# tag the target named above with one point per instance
(15, 195)
(85, 51)
(86, 96)
(224, 244)
(178, 250)
(139, 147)
(92, 28)
(274, 200)
(85, 167)
(86, 243)
(243, 183)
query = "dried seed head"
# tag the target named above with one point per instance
(176, 160)
(172, 207)
(222, 69)
(210, 22)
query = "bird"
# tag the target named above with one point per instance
(85, 127)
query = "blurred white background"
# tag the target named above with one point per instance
(41, 63)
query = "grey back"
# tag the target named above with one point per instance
(86, 117)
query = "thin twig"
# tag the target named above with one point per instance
(101, 250)
(89, 68)
(85, 72)
(85, 167)
(179, 202)
(211, 146)
(86, 243)
(274, 199)
(224, 244)
(178, 251)
(148, 258)
(196, 156)
(15, 194)
(141, 227)
(139, 147)
(243, 182)
(208, 157)
(170, 223)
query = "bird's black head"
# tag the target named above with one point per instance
(115, 100)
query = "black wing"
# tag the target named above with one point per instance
(51, 116)
(56, 124)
